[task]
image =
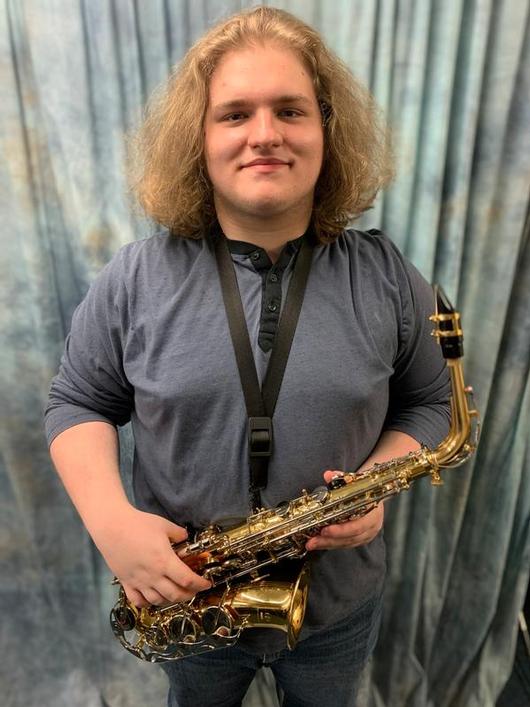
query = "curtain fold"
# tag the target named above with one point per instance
(453, 78)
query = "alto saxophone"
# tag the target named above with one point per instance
(255, 582)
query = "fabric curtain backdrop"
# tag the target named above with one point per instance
(453, 76)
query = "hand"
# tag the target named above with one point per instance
(351, 533)
(137, 548)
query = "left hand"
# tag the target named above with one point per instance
(351, 533)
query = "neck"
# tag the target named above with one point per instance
(271, 234)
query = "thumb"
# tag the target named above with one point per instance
(331, 474)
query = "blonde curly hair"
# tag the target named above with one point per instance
(169, 175)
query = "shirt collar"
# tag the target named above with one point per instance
(245, 248)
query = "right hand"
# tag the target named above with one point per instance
(137, 548)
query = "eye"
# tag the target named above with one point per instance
(233, 117)
(290, 113)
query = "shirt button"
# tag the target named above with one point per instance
(272, 306)
(255, 256)
(273, 277)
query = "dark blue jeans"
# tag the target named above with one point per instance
(322, 671)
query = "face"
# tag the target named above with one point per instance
(263, 134)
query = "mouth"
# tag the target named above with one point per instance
(264, 162)
(267, 166)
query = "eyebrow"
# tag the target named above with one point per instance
(240, 102)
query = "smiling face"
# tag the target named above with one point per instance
(263, 136)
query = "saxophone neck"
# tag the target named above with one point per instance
(462, 439)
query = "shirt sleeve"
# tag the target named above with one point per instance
(420, 385)
(91, 383)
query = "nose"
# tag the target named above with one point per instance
(264, 130)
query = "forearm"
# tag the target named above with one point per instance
(86, 457)
(391, 444)
(135, 545)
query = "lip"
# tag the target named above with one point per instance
(266, 162)
(267, 167)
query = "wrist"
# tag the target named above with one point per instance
(108, 517)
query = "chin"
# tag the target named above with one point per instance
(266, 205)
(267, 211)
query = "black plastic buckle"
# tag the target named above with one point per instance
(260, 436)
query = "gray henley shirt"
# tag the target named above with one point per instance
(150, 344)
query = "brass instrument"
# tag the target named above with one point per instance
(256, 578)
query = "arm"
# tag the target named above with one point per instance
(360, 531)
(89, 397)
(135, 545)
(418, 410)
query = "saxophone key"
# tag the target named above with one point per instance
(282, 509)
(124, 617)
(231, 562)
(336, 482)
(211, 569)
(183, 629)
(156, 637)
(216, 621)
(320, 494)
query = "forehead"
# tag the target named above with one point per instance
(257, 71)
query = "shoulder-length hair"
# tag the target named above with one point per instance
(169, 175)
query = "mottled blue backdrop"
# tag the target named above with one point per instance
(454, 79)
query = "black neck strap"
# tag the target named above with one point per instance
(261, 403)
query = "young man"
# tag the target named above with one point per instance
(264, 140)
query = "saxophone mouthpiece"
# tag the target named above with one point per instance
(448, 331)
(443, 303)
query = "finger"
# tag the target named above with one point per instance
(330, 474)
(372, 519)
(135, 597)
(345, 535)
(181, 575)
(336, 543)
(171, 592)
(153, 597)
(351, 529)
(175, 532)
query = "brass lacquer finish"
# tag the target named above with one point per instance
(258, 577)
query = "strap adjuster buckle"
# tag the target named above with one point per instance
(260, 436)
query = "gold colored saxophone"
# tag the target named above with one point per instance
(256, 580)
